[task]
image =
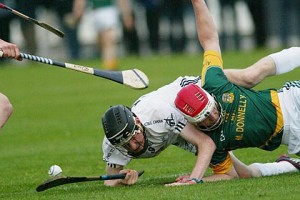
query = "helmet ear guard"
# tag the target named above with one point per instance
(194, 103)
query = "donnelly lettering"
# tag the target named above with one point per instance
(240, 122)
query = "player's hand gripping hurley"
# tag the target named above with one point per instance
(133, 78)
(68, 179)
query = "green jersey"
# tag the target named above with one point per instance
(251, 118)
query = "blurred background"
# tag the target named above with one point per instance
(159, 26)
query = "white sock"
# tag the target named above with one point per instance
(286, 60)
(269, 169)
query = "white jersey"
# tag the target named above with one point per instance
(162, 121)
(290, 105)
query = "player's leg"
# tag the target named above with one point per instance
(106, 24)
(242, 169)
(286, 60)
(282, 165)
(294, 161)
(108, 40)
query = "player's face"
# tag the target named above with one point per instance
(137, 142)
(211, 120)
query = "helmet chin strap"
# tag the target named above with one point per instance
(213, 127)
(137, 154)
(146, 144)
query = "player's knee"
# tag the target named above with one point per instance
(254, 170)
(5, 106)
(8, 109)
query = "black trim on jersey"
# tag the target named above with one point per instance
(180, 126)
(290, 84)
(184, 82)
(135, 103)
(112, 165)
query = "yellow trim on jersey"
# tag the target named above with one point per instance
(279, 123)
(211, 58)
(223, 167)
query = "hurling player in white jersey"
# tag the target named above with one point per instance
(162, 122)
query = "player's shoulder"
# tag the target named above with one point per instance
(153, 107)
(168, 92)
(183, 81)
(159, 115)
(179, 83)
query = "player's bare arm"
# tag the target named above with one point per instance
(207, 31)
(252, 75)
(113, 170)
(274, 64)
(209, 40)
(126, 14)
(205, 147)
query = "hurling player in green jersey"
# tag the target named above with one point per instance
(234, 116)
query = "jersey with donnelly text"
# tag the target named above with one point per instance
(251, 118)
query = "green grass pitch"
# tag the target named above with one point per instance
(56, 120)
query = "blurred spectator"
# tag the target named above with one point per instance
(258, 12)
(229, 38)
(27, 28)
(106, 20)
(68, 14)
(153, 10)
(175, 13)
(5, 19)
(282, 21)
(130, 34)
(273, 25)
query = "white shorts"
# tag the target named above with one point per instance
(106, 18)
(289, 98)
